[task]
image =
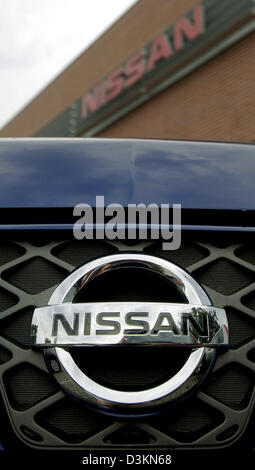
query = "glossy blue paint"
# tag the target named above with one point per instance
(69, 228)
(64, 172)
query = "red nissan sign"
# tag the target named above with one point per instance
(143, 62)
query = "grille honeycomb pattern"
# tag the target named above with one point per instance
(215, 416)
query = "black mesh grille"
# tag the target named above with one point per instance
(31, 434)
(60, 420)
(35, 275)
(241, 328)
(247, 253)
(17, 327)
(222, 267)
(39, 242)
(225, 277)
(188, 255)
(9, 252)
(27, 385)
(249, 300)
(219, 241)
(128, 435)
(7, 300)
(232, 385)
(251, 355)
(76, 253)
(5, 355)
(228, 434)
(189, 422)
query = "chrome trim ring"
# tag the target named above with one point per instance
(80, 386)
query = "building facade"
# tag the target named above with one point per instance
(171, 69)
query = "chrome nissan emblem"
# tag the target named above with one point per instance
(62, 325)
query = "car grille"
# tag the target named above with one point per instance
(41, 413)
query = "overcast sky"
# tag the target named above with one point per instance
(39, 38)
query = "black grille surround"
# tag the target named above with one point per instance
(43, 417)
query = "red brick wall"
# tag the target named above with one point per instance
(216, 102)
